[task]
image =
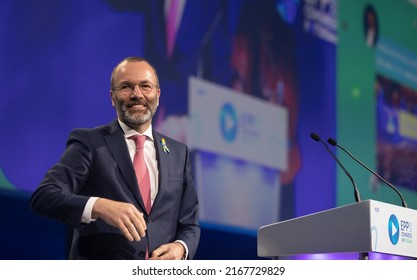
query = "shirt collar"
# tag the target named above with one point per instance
(128, 131)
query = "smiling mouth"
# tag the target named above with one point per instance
(137, 107)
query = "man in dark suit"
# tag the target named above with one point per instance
(94, 187)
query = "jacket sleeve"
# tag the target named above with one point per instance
(57, 196)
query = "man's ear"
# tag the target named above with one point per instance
(113, 103)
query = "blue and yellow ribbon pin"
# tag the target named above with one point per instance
(164, 146)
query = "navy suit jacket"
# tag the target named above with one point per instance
(96, 162)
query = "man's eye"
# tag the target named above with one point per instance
(146, 86)
(126, 87)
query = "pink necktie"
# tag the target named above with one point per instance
(170, 26)
(142, 173)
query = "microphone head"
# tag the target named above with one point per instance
(332, 142)
(315, 136)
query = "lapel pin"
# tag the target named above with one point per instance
(164, 146)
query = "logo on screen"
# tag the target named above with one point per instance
(228, 122)
(393, 229)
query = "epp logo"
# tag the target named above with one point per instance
(393, 229)
(228, 122)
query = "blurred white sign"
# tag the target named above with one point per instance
(228, 122)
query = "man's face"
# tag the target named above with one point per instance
(135, 108)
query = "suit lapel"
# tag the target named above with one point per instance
(163, 163)
(116, 142)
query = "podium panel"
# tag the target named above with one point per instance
(367, 226)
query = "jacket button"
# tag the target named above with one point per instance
(142, 254)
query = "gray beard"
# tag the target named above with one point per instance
(128, 118)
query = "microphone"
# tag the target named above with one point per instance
(334, 143)
(355, 189)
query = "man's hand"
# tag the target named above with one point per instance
(121, 215)
(170, 251)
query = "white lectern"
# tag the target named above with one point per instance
(367, 226)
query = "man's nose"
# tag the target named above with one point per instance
(137, 91)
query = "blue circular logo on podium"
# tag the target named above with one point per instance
(393, 229)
